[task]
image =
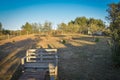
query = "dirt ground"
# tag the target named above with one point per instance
(11, 50)
(84, 59)
(80, 58)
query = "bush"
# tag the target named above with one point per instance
(63, 41)
(116, 54)
(96, 39)
(13, 41)
(115, 48)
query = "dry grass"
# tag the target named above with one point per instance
(81, 58)
(12, 52)
(50, 42)
(17, 38)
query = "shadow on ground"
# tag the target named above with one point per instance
(11, 55)
(81, 59)
(87, 62)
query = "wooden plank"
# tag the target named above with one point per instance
(52, 57)
(39, 75)
(37, 65)
(38, 60)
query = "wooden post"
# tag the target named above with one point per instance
(22, 61)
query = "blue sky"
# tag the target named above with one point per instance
(15, 13)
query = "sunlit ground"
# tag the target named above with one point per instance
(80, 57)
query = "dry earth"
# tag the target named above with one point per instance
(11, 50)
(80, 58)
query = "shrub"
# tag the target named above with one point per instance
(115, 48)
(13, 41)
(63, 41)
(115, 30)
(116, 54)
(96, 39)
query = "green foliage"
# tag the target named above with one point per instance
(36, 27)
(116, 53)
(63, 41)
(97, 40)
(0, 26)
(114, 18)
(5, 32)
(47, 27)
(62, 27)
(82, 22)
(27, 27)
(81, 25)
(96, 25)
(107, 32)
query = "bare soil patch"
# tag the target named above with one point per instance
(80, 58)
(11, 52)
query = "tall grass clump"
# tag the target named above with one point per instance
(63, 41)
(97, 40)
(115, 48)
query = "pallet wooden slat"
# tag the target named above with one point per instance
(40, 60)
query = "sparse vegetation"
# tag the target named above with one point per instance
(80, 54)
(114, 18)
(63, 41)
(82, 25)
(88, 48)
(13, 41)
(96, 39)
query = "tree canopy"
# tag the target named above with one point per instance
(36, 27)
(27, 27)
(0, 26)
(114, 19)
(81, 25)
(47, 26)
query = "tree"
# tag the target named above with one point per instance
(114, 19)
(62, 27)
(35, 27)
(82, 22)
(27, 27)
(96, 25)
(0, 26)
(6, 32)
(47, 26)
(40, 27)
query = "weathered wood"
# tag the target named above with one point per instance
(40, 59)
(39, 75)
